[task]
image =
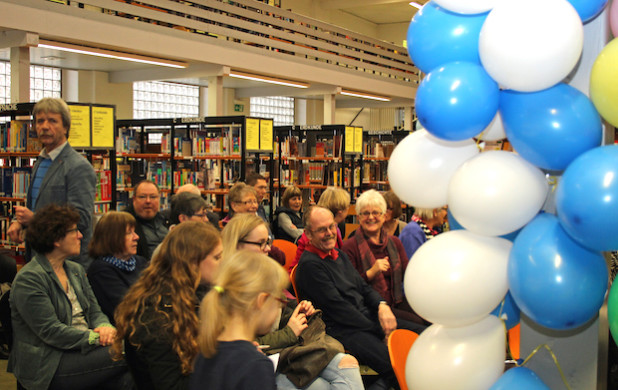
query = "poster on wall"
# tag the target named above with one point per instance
(102, 127)
(252, 134)
(79, 135)
(266, 135)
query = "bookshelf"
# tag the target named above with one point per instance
(378, 146)
(210, 152)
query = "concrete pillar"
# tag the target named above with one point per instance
(215, 96)
(329, 109)
(20, 74)
(408, 115)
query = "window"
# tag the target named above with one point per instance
(280, 108)
(45, 81)
(157, 99)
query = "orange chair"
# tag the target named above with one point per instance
(293, 281)
(399, 343)
(289, 249)
(514, 335)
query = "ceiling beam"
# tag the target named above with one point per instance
(161, 73)
(16, 38)
(286, 91)
(343, 4)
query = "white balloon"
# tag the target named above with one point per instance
(530, 45)
(495, 130)
(457, 278)
(465, 358)
(421, 167)
(496, 193)
(467, 6)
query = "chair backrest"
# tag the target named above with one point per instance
(349, 229)
(514, 335)
(399, 343)
(293, 281)
(289, 249)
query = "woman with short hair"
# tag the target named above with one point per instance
(392, 224)
(289, 217)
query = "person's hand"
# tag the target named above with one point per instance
(307, 308)
(381, 265)
(15, 232)
(23, 215)
(388, 322)
(106, 334)
(298, 321)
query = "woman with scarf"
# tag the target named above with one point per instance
(378, 257)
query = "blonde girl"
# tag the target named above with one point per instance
(245, 301)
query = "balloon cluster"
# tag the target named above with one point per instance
(495, 69)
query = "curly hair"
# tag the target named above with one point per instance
(49, 225)
(173, 272)
(109, 234)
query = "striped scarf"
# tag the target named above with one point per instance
(429, 233)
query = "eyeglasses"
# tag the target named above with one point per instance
(261, 244)
(282, 300)
(249, 202)
(144, 197)
(367, 214)
(74, 230)
(325, 229)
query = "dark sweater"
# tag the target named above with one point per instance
(334, 286)
(110, 283)
(237, 365)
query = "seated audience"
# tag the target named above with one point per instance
(213, 218)
(157, 319)
(423, 227)
(245, 301)
(241, 199)
(337, 200)
(260, 184)
(354, 313)
(249, 232)
(288, 221)
(150, 227)
(116, 265)
(187, 206)
(380, 259)
(61, 336)
(392, 224)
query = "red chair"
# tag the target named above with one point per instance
(289, 249)
(399, 343)
(293, 281)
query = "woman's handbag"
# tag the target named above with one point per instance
(303, 362)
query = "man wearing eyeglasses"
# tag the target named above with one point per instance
(150, 226)
(60, 175)
(354, 313)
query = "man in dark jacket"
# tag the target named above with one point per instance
(150, 225)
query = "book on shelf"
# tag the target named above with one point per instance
(103, 191)
(15, 181)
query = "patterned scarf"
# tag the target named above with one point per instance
(368, 260)
(125, 265)
(429, 233)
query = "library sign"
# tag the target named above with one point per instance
(92, 126)
(259, 135)
(353, 140)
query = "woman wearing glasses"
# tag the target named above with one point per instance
(249, 232)
(379, 257)
(241, 199)
(61, 336)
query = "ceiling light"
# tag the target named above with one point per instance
(95, 51)
(416, 5)
(365, 95)
(267, 79)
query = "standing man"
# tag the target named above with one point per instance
(260, 184)
(354, 313)
(60, 175)
(150, 225)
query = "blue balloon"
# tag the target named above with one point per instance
(550, 128)
(587, 199)
(457, 101)
(588, 9)
(508, 311)
(518, 378)
(555, 281)
(437, 36)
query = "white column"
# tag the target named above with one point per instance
(215, 96)
(329, 109)
(20, 74)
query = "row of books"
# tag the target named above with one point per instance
(311, 146)
(104, 186)
(18, 136)
(15, 181)
(222, 146)
(375, 148)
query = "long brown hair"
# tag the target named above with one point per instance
(173, 272)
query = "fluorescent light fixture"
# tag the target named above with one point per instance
(267, 79)
(118, 55)
(415, 4)
(365, 95)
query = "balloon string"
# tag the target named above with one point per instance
(553, 182)
(555, 362)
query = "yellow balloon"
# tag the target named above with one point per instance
(604, 83)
